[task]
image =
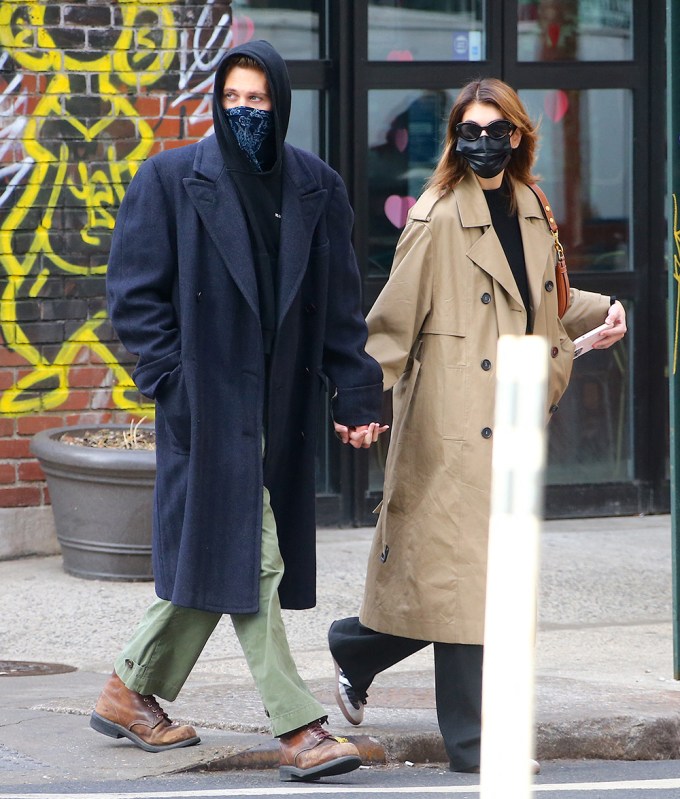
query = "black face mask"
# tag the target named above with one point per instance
(487, 157)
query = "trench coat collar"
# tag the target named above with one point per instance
(487, 251)
(214, 195)
(537, 241)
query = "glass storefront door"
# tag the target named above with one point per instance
(374, 81)
(577, 65)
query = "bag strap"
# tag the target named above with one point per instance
(561, 274)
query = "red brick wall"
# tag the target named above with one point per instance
(87, 91)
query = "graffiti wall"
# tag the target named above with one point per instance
(87, 91)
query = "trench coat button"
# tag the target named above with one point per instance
(486, 298)
(129, 663)
(487, 432)
(553, 408)
(549, 285)
(308, 371)
(198, 296)
(302, 434)
(554, 352)
(486, 364)
(310, 308)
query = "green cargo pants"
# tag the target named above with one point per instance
(168, 641)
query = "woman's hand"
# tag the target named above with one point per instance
(616, 319)
(360, 437)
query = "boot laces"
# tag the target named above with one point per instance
(156, 709)
(318, 732)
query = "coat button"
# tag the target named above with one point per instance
(487, 432)
(549, 285)
(554, 352)
(486, 298)
(302, 435)
(553, 408)
(198, 296)
(129, 663)
(486, 364)
(310, 308)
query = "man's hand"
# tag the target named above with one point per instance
(360, 437)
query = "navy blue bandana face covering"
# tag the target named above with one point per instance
(251, 126)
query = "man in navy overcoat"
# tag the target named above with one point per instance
(232, 277)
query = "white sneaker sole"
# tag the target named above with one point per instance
(352, 715)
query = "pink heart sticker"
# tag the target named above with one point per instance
(556, 104)
(242, 29)
(400, 55)
(401, 139)
(554, 30)
(397, 208)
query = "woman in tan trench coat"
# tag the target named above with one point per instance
(475, 261)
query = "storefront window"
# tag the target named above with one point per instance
(292, 26)
(575, 30)
(303, 128)
(585, 162)
(427, 30)
(406, 131)
(590, 436)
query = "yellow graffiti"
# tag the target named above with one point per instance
(676, 277)
(79, 175)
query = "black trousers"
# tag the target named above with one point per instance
(362, 653)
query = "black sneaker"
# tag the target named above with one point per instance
(351, 704)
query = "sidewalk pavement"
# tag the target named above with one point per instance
(604, 689)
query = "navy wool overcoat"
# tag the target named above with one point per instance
(182, 295)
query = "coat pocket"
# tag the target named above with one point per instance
(173, 402)
(402, 399)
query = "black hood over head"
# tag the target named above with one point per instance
(274, 67)
(259, 191)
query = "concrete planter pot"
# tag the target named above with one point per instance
(102, 500)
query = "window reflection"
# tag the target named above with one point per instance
(426, 30)
(292, 26)
(406, 132)
(585, 164)
(575, 30)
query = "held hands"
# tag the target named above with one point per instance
(360, 437)
(616, 319)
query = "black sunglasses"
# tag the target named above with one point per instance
(471, 131)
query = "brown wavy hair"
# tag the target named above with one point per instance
(452, 167)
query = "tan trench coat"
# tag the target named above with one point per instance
(434, 329)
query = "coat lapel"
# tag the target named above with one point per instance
(301, 206)
(537, 242)
(486, 250)
(215, 198)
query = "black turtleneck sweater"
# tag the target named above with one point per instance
(506, 225)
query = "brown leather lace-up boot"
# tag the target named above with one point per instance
(310, 753)
(122, 713)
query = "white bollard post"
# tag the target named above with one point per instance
(512, 574)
